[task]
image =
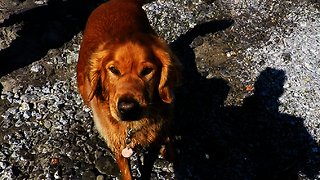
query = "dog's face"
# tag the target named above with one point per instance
(132, 76)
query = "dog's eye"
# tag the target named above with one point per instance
(114, 70)
(145, 71)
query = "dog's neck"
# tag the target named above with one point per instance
(129, 135)
(136, 157)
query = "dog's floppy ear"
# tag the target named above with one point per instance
(170, 71)
(96, 75)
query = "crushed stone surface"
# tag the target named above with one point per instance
(248, 108)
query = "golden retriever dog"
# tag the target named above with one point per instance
(126, 74)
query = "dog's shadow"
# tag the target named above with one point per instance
(254, 141)
(43, 28)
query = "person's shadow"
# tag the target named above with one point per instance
(43, 28)
(254, 141)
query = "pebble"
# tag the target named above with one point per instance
(231, 53)
(26, 115)
(24, 106)
(19, 123)
(57, 175)
(36, 68)
(47, 124)
(3, 165)
(13, 110)
(106, 165)
(41, 2)
(100, 177)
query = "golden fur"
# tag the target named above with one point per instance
(121, 57)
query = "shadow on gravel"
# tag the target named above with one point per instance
(254, 141)
(44, 28)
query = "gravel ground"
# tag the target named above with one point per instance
(248, 108)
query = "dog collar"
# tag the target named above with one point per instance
(128, 151)
(136, 158)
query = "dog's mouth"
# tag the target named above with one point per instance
(129, 109)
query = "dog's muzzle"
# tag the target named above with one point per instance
(129, 109)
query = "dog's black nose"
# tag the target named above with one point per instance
(129, 109)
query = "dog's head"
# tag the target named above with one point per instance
(132, 75)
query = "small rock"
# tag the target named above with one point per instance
(13, 110)
(16, 95)
(36, 115)
(41, 2)
(100, 177)
(231, 53)
(24, 106)
(26, 115)
(47, 124)
(19, 123)
(170, 168)
(3, 96)
(46, 90)
(57, 175)
(54, 161)
(3, 165)
(36, 68)
(107, 165)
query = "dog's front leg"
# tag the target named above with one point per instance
(124, 167)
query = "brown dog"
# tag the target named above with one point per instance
(126, 74)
